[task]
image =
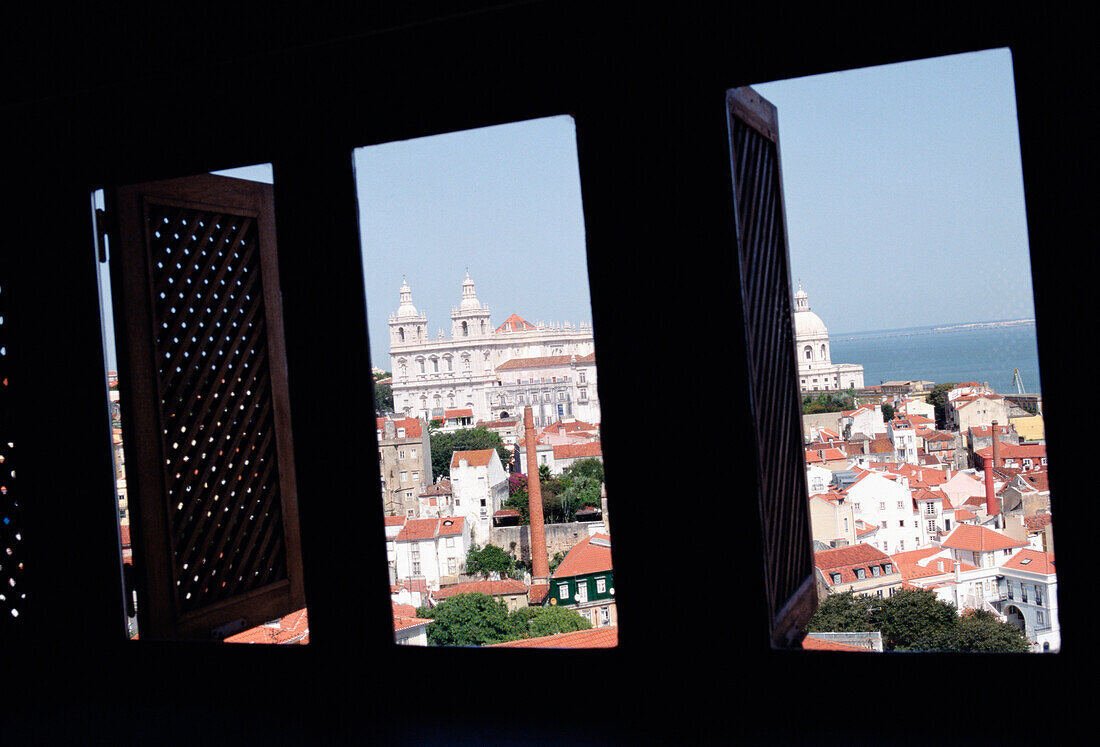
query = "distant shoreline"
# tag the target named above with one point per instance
(932, 329)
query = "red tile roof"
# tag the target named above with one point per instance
(586, 557)
(404, 617)
(1037, 522)
(479, 458)
(845, 561)
(839, 557)
(422, 529)
(607, 637)
(544, 361)
(459, 413)
(411, 426)
(812, 643)
(577, 451)
(1032, 561)
(979, 539)
(443, 487)
(492, 588)
(515, 323)
(294, 628)
(537, 593)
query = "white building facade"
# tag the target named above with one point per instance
(479, 485)
(461, 371)
(816, 370)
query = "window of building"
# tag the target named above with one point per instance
(860, 573)
(601, 585)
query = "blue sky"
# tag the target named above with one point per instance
(503, 202)
(903, 190)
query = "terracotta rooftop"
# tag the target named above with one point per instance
(1037, 522)
(411, 426)
(492, 588)
(576, 451)
(838, 557)
(404, 617)
(294, 628)
(979, 539)
(591, 555)
(515, 323)
(479, 458)
(544, 361)
(812, 643)
(1033, 561)
(607, 637)
(443, 487)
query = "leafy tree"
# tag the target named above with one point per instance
(553, 620)
(937, 397)
(470, 620)
(556, 561)
(843, 613)
(480, 620)
(588, 467)
(489, 559)
(887, 412)
(444, 445)
(981, 631)
(829, 402)
(383, 399)
(915, 620)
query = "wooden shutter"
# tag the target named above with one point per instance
(206, 419)
(773, 373)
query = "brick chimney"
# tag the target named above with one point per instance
(996, 446)
(540, 565)
(991, 506)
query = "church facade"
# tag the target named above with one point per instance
(492, 371)
(816, 370)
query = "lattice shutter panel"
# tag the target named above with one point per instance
(13, 577)
(773, 375)
(213, 490)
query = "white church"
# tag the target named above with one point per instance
(492, 372)
(816, 370)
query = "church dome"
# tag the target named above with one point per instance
(807, 324)
(406, 309)
(469, 298)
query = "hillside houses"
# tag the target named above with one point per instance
(964, 513)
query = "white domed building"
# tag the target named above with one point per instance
(816, 370)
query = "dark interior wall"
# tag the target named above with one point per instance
(113, 98)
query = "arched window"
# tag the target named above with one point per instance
(809, 353)
(401, 333)
(420, 362)
(450, 362)
(823, 352)
(435, 364)
(465, 330)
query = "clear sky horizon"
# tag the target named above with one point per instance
(904, 192)
(501, 202)
(903, 187)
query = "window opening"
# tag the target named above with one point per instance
(475, 240)
(876, 164)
